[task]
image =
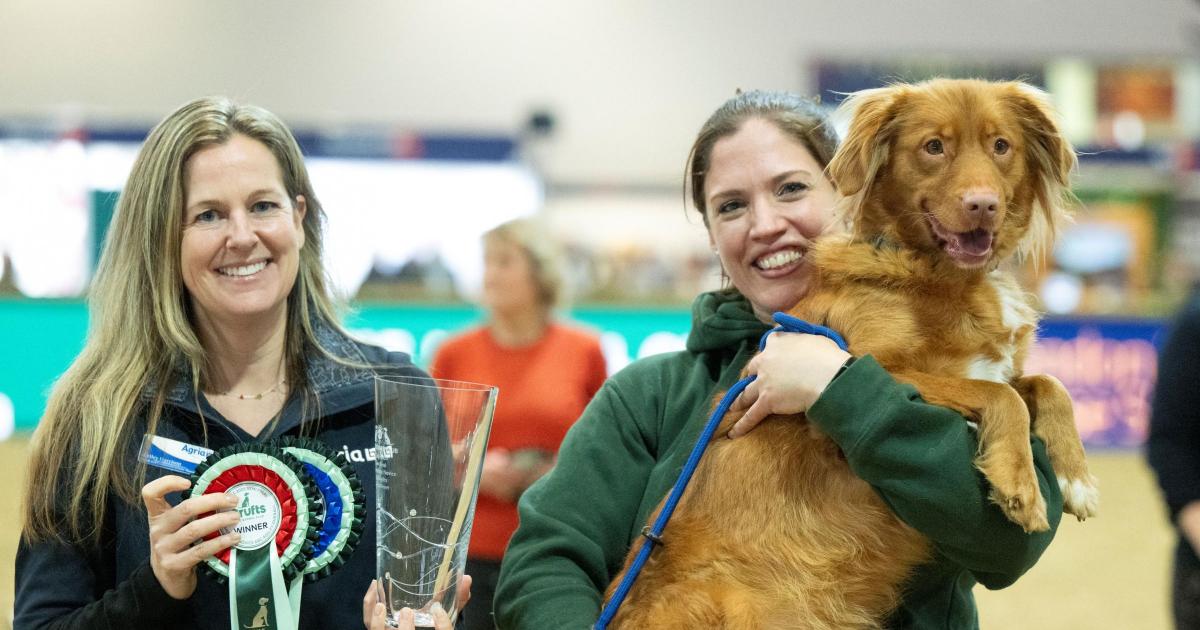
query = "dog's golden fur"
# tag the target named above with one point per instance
(811, 545)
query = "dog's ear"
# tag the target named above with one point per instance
(864, 149)
(1051, 159)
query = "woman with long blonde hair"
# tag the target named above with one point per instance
(211, 324)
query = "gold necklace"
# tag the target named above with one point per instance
(258, 396)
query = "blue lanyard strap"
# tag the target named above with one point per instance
(653, 534)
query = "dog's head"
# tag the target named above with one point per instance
(969, 170)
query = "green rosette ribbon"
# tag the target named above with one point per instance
(278, 526)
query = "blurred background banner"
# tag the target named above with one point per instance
(1107, 364)
(41, 337)
(1109, 367)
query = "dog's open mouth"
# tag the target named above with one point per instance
(968, 249)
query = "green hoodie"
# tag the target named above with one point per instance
(623, 455)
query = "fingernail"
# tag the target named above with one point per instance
(437, 608)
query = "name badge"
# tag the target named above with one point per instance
(172, 455)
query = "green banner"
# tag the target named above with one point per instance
(39, 339)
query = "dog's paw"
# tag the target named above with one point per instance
(1081, 496)
(1023, 503)
(1015, 488)
(1028, 511)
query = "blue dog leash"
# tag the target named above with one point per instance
(653, 535)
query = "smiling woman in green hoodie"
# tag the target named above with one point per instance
(756, 173)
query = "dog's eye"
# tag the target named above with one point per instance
(1001, 146)
(934, 147)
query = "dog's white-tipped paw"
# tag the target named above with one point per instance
(1081, 497)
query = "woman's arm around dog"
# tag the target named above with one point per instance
(920, 458)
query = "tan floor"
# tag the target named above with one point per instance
(1110, 572)
(12, 477)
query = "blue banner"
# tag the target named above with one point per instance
(1110, 367)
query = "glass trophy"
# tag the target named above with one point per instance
(430, 438)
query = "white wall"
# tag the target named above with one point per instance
(630, 80)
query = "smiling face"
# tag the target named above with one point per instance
(766, 199)
(962, 170)
(242, 235)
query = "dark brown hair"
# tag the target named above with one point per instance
(795, 115)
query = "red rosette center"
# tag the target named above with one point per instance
(265, 476)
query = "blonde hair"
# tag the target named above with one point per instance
(141, 333)
(544, 256)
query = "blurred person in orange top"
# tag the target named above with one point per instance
(547, 372)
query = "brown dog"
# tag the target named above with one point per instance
(941, 182)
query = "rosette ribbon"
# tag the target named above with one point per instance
(340, 505)
(265, 569)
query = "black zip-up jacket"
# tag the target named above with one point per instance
(111, 585)
(1173, 445)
